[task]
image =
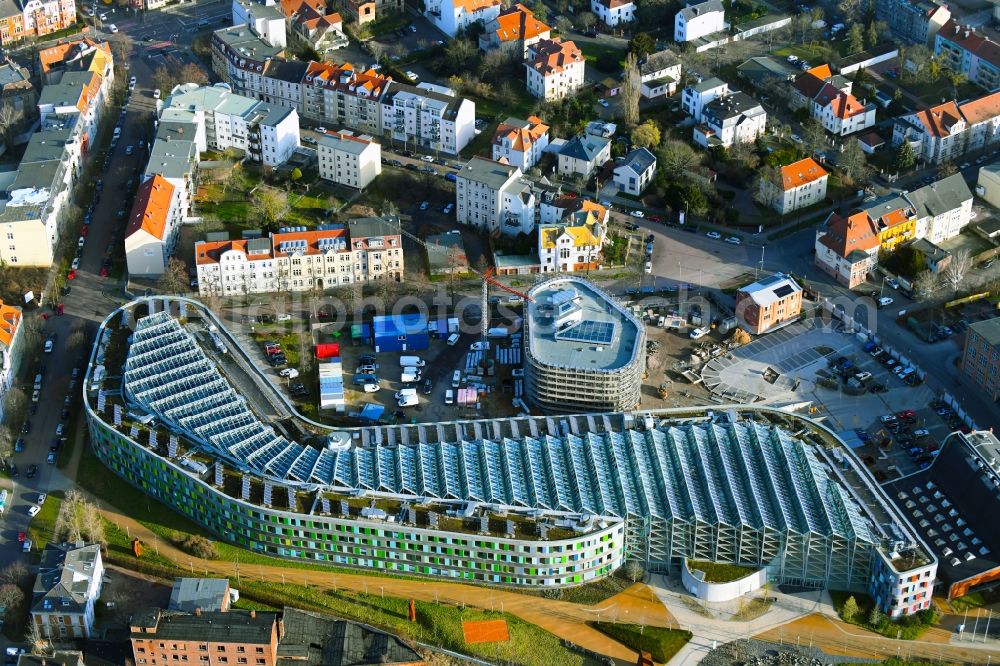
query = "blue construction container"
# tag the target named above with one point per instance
(400, 332)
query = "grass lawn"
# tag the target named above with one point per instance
(908, 628)
(662, 644)
(42, 526)
(968, 602)
(594, 50)
(519, 105)
(718, 572)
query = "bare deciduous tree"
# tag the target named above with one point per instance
(630, 91)
(957, 269)
(634, 571)
(925, 284)
(768, 187)
(14, 573)
(174, 279)
(10, 118)
(270, 203)
(11, 596)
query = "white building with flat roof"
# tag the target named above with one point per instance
(428, 116)
(349, 160)
(494, 197)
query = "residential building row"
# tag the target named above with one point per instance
(829, 100)
(947, 131)
(916, 21)
(296, 259)
(11, 349)
(306, 21)
(192, 120)
(429, 116)
(848, 248)
(77, 78)
(27, 19)
(968, 52)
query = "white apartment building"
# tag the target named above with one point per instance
(736, 118)
(494, 197)
(636, 172)
(583, 154)
(803, 184)
(520, 142)
(452, 16)
(265, 19)
(36, 202)
(239, 58)
(841, 113)
(613, 12)
(942, 208)
(555, 69)
(699, 20)
(66, 590)
(268, 133)
(576, 243)
(282, 84)
(428, 116)
(695, 97)
(349, 160)
(660, 74)
(297, 259)
(152, 230)
(936, 134)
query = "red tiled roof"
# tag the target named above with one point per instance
(981, 109)
(519, 23)
(855, 233)
(10, 319)
(801, 173)
(521, 138)
(151, 209)
(554, 55)
(938, 120)
(311, 238)
(811, 81)
(329, 75)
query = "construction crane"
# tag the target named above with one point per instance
(487, 279)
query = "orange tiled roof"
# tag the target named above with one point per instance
(894, 218)
(10, 319)
(54, 55)
(311, 238)
(519, 23)
(209, 252)
(981, 109)
(855, 233)
(329, 75)
(151, 209)
(90, 92)
(292, 7)
(845, 105)
(811, 81)
(938, 120)
(554, 55)
(472, 6)
(801, 173)
(521, 138)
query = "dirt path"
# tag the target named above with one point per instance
(564, 619)
(837, 638)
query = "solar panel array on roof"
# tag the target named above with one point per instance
(588, 331)
(783, 290)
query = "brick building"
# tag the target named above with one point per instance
(768, 302)
(217, 638)
(981, 356)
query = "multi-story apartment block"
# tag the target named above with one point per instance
(613, 12)
(264, 19)
(842, 113)
(343, 95)
(936, 134)
(66, 589)
(83, 94)
(982, 117)
(583, 154)
(699, 20)
(24, 19)
(296, 259)
(965, 51)
(77, 55)
(174, 155)
(37, 200)
(659, 74)
(269, 133)
(981, 356)
(575, 244)
(11, 349)
(152, 229)
(349, 160)
(516, 28)
(428, 116)
(895, 220)
(494, 197)
(555, 69)
(942, 208)
(735, 118)
(282, 84)
(902, 582)
(239, 57)
(636, 172)
(696, 96)
(520, 142)
(847, 248)
(452, 16)
(768, 303)
(916, 21)
(230, 637)
(802, 184)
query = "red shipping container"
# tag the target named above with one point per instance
(328, 350)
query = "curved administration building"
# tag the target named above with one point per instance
(583, 351)
(527, 501)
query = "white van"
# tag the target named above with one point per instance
(456, 379)
(449, 397)
(453, 339)
(404, 393)
(410, 375)
(408, 401)
(411, 362)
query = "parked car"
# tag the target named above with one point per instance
(733, 240)
(699, 332)
(714, 235)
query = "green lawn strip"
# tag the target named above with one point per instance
(719, 572)
(968, 602)
(592, 51)
(907, 628)
(42, 527)
(588, 594)
(662, 644)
